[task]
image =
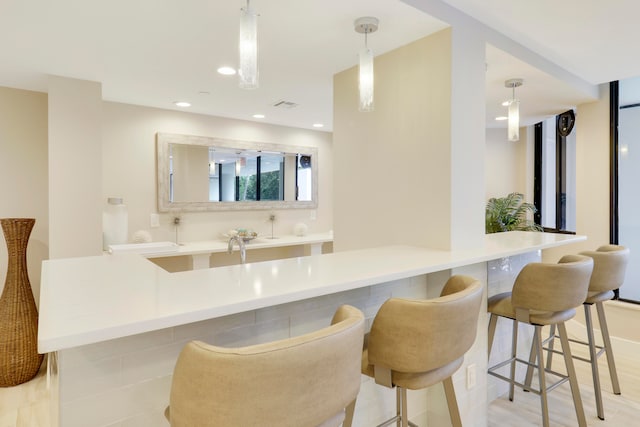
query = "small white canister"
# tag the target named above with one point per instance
(115, 223)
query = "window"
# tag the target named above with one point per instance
(247, 177)
(625, 173)
(555, 166)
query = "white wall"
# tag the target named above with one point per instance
(396, 159)
(23, 174)
(75, 163)
(508, 165)
(419, 177)
(129, 170)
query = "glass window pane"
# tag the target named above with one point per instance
(247, 171)
(228, 186)
(628, 178)
(272, 177)
(548, 208)
(570, 183)
(304, 178)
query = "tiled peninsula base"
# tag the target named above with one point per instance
(126, 381)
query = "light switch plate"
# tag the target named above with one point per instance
(154, 220)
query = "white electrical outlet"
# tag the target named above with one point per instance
(314, 215)
(471, 376)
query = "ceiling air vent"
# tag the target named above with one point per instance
(285, 104)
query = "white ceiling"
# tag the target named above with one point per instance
(154, 52)
(593, 39)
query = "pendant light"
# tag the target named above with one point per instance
(366, 25)
(513, 125)
(248, 48)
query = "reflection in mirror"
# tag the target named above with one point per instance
(199, 173)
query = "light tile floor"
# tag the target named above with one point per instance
(621, 410)
(27, 405)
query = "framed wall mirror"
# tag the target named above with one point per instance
(197, 173)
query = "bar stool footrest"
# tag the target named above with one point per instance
(546, 341)
(563, 378)
(393, 420)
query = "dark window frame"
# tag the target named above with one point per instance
(614, 117)
(561, 179)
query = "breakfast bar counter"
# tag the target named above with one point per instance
(114, 324)
(93, 299)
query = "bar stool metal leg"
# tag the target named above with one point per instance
(399, 406)
(493, 320)
(551, 340)
(573, 381)
(607, 345)
(401, 419)
(452, 402)
(593, 358)
(537, 337)
(594, 353)
(533, 354)
(348, 419)
(514, 344)
(405, 419)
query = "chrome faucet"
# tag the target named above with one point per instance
(241, 246)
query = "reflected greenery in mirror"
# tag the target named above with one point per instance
(207, 174)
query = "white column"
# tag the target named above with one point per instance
(75, 167)
(467, 138)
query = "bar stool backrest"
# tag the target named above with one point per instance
(609, 267)
(416, 336)
(549, 287)
(300, 381)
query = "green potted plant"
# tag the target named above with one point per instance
(509, 213)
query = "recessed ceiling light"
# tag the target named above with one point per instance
(318, 125)
(499, 118)
(182, 104)
(258, 116)
(506, 103)
(226, 71)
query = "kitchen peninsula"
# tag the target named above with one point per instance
(114, 324)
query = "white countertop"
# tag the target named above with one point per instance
(204, 247)
(93, 299)
(261, 242)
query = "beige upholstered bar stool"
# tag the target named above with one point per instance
(543, 294)
(414, 344)
(609, 267)
(309, 380)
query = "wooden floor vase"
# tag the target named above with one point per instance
(19, 358)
